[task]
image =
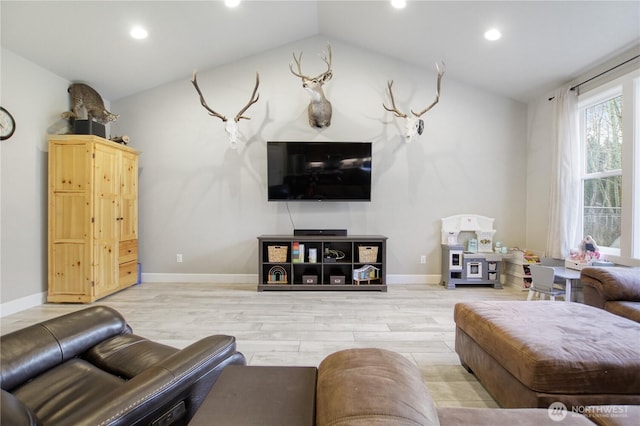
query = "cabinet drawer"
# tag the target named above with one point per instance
(128, 251)
(128, 274)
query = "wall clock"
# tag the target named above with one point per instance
(7, 124)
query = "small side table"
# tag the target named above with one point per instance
(260, 396)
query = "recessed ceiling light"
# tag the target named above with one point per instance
(493, 34)
(232, 3)
(399, 4)
(138, 33)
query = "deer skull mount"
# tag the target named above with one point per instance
(231, 127)
(319, 109)
(414, 125)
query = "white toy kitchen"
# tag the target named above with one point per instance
(468, 256)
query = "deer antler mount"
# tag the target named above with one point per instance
(231, 127)
(414, 125)
(319, 110)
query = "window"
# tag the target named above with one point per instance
(602, 171)
(609, 124)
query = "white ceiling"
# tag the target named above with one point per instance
(544, 43)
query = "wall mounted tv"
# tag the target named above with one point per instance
(319, 171)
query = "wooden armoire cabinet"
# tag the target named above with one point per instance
(93, 218)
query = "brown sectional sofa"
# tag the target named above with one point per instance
(365, 387)
(376, 387)
(614, 289)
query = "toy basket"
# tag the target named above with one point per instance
(368, 254)
(277, 254)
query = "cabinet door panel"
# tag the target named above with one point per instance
(129, 197)
(106, 252)
(106, 171)
(69, 270)
(128, 219)
(106, 219)
(71, 217)
(70, 168)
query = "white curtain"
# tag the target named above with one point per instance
(564, 215)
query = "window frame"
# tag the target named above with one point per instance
(628, 86)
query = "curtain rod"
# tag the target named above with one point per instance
(572, 88)
(604, 72)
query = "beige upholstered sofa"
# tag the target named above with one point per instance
(614, 289)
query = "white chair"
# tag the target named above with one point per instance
(542, 282)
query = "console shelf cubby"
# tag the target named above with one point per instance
(336, 259)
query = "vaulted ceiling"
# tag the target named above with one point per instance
(544, 43)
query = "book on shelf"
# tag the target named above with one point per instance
(297, 252)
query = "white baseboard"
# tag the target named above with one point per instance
(199, 278)
(38, 299)
(412, 279)
(253, 278)
(23, 303)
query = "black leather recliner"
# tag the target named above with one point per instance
(88, 368)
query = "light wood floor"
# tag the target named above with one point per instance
(301, 328)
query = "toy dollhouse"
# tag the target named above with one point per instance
(365, 274)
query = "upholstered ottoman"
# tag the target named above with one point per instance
(531, 354)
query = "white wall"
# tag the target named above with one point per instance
(35, 97)
(208, 202)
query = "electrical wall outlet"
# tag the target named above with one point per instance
(179, 258)
(423, 259)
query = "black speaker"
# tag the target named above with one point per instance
(89, 127)
(332, 232)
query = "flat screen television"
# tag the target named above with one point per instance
(319, 171)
